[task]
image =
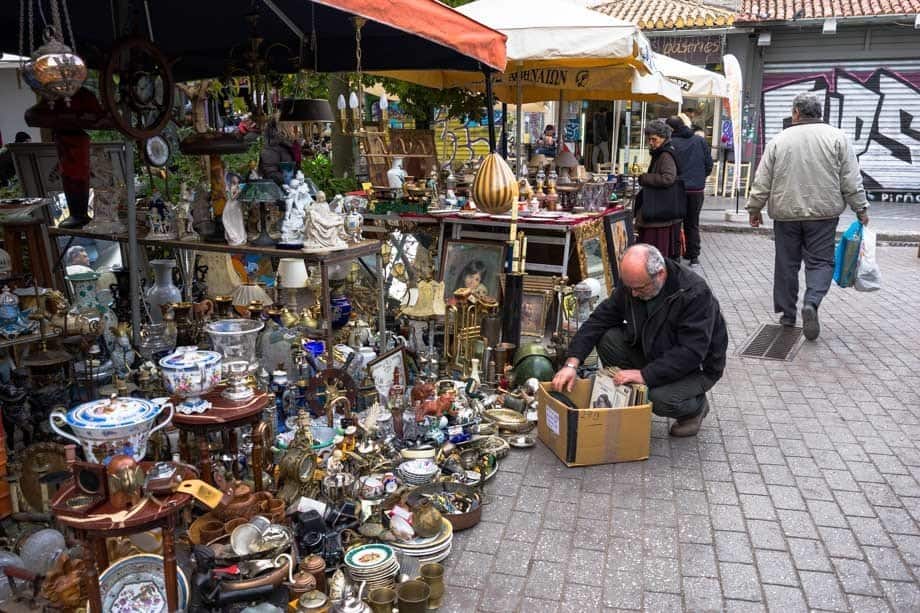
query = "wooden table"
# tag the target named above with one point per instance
(224, 416)
(105, 522)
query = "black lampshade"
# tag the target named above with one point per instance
(306, 109)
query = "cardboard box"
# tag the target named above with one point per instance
(586, 436)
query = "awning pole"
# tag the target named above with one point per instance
(504, 148)
(489, 104)
(519, 129)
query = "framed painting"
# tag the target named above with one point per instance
(477, 265)
(618, 227)
(535, 308)
(591, 247)
(382, 370)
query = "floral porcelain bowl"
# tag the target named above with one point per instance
(111, 426)
(189, 373)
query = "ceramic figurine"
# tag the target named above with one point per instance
(159, 218)
(323, 230)
(107, 194)
(184, 220)
(123, 355)
(234, 223)
(354, 220)
(396, 176)
(297, 202)
(13, 322)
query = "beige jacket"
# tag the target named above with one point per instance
(808, 171)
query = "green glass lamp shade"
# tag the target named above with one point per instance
(261, 190)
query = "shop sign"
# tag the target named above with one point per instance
(697, 50)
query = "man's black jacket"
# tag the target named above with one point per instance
(684, 333)
(693, 157)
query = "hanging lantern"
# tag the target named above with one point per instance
(54, 70)
(495, 188)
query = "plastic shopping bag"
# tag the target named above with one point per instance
(868, 275)
(846, 258)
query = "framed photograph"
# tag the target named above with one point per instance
(535, 307)
(618, 226)
(473, 264)
(382, 368)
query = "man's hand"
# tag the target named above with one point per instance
(755, 219)
(863, 216)
(627, 376)
(564, 380)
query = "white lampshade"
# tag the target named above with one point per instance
(293, 273)
(383, 103)
(222, 279)
(566, 159)
(353, 100)
(340, 103)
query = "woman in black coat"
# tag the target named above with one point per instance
(658, 214)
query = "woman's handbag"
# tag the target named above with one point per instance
(662, 204)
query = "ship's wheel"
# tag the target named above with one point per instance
(328, 384)
(137, 88)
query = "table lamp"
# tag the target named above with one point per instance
(262, 192)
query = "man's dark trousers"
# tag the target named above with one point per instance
(812, 241)
(692, 223)
(683, 398)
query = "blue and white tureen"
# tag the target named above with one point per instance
(189, 373)
(111, 426)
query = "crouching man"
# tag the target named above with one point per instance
(663, 328)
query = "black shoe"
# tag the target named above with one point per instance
(787, 321)
(694, 261)
(690, 426)
(811, 327)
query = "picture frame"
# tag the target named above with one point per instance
(618, 228)
(463, 260)
(535, 308)
(591, 248)
(381, 371)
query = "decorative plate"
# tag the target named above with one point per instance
(505, 417)
(368, 556)
(112, 413)
(136, 585)
(156, 151)
(424, 544)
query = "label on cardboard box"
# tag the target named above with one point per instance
(552, 420)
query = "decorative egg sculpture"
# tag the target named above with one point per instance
(495, 188)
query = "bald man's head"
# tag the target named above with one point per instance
(642, 271)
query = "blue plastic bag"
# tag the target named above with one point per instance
(846, 258)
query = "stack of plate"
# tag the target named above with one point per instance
(375, 563)
(417, 472)
(431, 549)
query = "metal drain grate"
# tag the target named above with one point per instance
(772, 342)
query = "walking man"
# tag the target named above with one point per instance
(807, 177)
(663, 328)
(694, 161)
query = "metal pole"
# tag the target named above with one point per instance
(489, 103)
(504, 130)
(133, 253)
(519, 128)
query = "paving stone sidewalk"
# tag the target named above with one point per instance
(800, 493)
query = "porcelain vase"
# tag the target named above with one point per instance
(163, 291)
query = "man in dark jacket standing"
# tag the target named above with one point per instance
(695, 161)
(663, 328)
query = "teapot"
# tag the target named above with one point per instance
(353, 603)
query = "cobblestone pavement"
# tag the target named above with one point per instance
(800, 493)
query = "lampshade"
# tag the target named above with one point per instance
(301, 110)
(249, 292)
(566, 159)
(293, 273)
(261, 190)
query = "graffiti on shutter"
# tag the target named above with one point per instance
(878, 110)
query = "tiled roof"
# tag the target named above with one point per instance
(781, 10)
(668, 14)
